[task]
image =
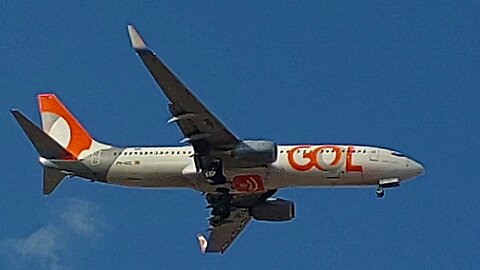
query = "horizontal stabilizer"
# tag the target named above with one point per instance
(51, 179)
(45, 145)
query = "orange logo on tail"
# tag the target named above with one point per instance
(79, 139)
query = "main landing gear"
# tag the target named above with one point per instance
(220, 203)
(380, 192)
(214, 174)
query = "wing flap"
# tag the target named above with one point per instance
(224, 232)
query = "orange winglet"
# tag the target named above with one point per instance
(79, 138)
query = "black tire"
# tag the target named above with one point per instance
(210, 174)
(222, 210)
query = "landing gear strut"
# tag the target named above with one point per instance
(222, 210)
(214, 174)
(220, 203)
(380, 192)
(386, 183)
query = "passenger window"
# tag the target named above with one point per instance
(130, 153)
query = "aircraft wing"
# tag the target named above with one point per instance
(224, 231)
(199, 126)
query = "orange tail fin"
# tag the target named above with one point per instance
(60, 124)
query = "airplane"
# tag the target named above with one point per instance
(238, 178)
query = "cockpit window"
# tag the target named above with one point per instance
(397, 154)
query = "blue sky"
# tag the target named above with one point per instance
(398, 74)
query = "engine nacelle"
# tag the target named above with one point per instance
(261, 152)
(274, 210)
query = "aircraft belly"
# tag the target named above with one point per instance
(282, 178)
(149, 173)
(158, 182)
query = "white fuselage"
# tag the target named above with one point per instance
(296, 165)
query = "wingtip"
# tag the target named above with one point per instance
(16, 112)
(135, 38)
(202, 242)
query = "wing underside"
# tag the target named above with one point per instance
(199, 126)
(224, 230)
(211, 140)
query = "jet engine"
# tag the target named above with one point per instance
(274, 210)
(260, 152)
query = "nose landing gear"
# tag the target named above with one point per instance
(386, 183)
(380, 192)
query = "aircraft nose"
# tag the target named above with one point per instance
(415, 167)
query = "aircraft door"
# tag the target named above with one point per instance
(374, 153)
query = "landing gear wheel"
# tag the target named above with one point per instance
(224, 191)
(222, 210)
(214, 174)
(380, 192)
(221, 205)
(210, 173)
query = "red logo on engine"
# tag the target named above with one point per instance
(248, 183)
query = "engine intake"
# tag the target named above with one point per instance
(261, 152)
(274, 210)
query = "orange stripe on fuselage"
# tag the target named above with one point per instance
(79, 138)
